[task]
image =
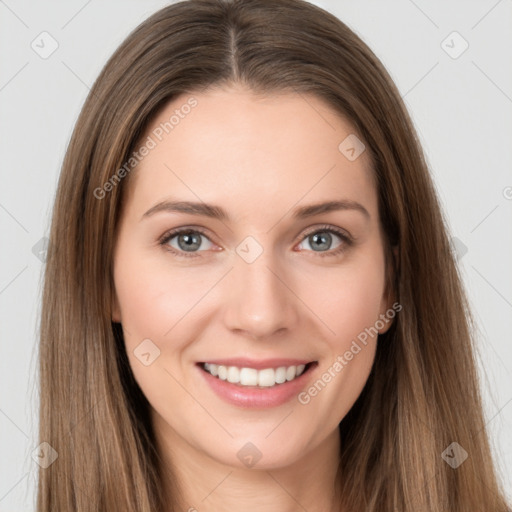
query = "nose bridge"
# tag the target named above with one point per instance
(260, 301)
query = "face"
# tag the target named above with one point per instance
(270, 279)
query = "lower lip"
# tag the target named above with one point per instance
(254, 396)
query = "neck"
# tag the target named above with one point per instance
(198, 482)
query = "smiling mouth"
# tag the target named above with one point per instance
(251, 377)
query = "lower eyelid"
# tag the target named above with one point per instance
(164, 241)
(345, 241)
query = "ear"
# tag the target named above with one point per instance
(116, 311)
(388, 297)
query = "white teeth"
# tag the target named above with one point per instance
(233, 374)
(280, 375)
(248, 376)
(267, 377)
(251, 377)
(223, 373)
(290, 372)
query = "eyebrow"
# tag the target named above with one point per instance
(216, 212)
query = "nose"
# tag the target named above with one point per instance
(261, 301)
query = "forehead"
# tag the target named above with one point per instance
(231, 145)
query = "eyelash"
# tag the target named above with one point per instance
(347, 240)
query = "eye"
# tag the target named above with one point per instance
(321, 238)
(188, 242)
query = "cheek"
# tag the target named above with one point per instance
(350, 309)
(351, 298)
(154, 296)
(157, 304)
(152, 299)
(171, 305)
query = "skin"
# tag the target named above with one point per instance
(259, 158)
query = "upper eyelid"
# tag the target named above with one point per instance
(169, 235)
(337, 230)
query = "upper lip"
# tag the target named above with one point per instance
(258, 364)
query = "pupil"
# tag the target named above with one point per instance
(191, 241)
(324, 240)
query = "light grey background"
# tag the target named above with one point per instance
(462, 108)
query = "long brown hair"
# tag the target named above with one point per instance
(423, 391)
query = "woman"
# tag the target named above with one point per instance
(197, 351)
